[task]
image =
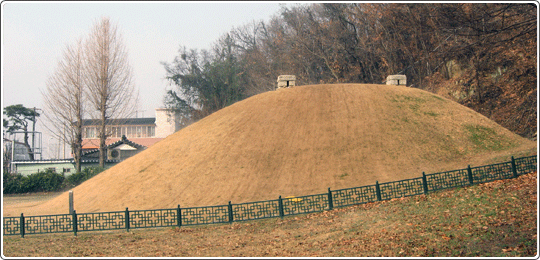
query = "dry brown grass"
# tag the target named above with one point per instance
(297, 141)
(496, 219)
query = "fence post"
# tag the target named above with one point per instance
(179, 216)
(424, 182)
(230, 213)
(22, 225)
(378, 190)
(75, 222)
(71, 208)
(280, 202)
(514, 170)
(469, 172)
(127, 219)
(330, 202)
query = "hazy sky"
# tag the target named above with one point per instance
(34, 35)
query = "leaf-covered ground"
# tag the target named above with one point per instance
(497, 219)
(294, 142)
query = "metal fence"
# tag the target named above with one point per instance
(78, 222)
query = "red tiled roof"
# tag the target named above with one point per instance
(94, 143)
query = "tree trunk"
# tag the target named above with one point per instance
(102, 144)
(76, 147)
(30, 150)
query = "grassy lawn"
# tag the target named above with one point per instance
(497, 219)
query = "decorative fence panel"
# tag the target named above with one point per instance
(256, 210)
(447, 180)
(265, 209)
(525, 164)
(305, 204)
(11, 226)
(492, 172)
(205, 215)
(153, 218)
(403, 188)
(48, 224)
(101, 221)
(354, 196)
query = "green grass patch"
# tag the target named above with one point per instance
(343, 175)
(485, 138)
(407, 99)
(414, 107)
(438, 98)
(431, 113)
(414, 103)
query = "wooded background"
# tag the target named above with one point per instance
(482, 55)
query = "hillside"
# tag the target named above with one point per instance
(297, 141)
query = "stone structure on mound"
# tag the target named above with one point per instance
(396, 80)
(286, 81)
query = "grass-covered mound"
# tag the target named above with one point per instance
(298, 141)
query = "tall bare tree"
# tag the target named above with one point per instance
(65, 102)
(109, 79)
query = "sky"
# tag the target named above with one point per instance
(34, 35)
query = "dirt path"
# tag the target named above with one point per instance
(12, 202)
(11, 199)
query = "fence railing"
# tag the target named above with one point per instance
(78, 222)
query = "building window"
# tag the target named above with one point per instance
(90, 132)
(113, 131)
(141, 131)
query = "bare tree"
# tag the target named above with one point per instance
(65, 101)
(109, 79)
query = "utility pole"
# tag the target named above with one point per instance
(34, 133)
(12, 155)
(64, 143)
(50, 153)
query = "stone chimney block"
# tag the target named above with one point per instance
(286, 81)
(167, 122)
(396, 80)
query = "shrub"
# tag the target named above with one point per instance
(12, 183)
(87, 173)
(47, 180)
